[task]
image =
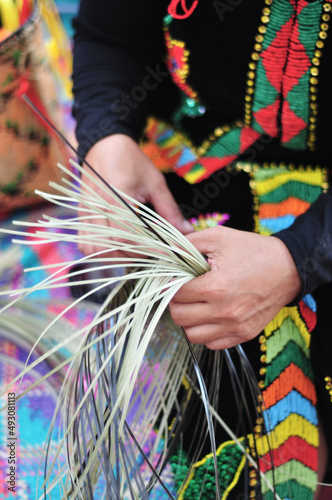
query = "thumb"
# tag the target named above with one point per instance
(166, 206)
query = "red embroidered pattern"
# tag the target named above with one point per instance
(172, 9)
(177, 57)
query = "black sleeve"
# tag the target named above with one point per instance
(309, 241)
(118, 52)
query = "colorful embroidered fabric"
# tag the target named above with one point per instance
(170, 150)
(201, 480)
(281, 96)
(286, 434)
(288, 55)
(177, 63)
(288, 390)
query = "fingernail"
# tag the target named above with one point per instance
(187, 227)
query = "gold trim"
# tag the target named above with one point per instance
(314, 72)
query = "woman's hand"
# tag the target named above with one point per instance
(120, 161)
(252, 277)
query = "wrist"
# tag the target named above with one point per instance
(291, 284)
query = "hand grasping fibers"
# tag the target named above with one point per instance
(251, 278)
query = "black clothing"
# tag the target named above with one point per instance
(120, 77)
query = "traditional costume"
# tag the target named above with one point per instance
(232, 101)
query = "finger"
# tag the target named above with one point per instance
(194, 291)
(166, 206)
(213, 336)
(187, 315)
(205, 240)
(205, 333)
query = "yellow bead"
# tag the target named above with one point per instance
(218, 132)
(313, 80)
(255, 56)
(315, 61)
(325, 17)
(314, 71)
(251, 74)
(324, 26)
(318, 53)
(322, 35)
(259, 38)
(327, 7)
(266, 11)
(320, 44)
(246, 167)
(262, 29)
(265, 19)
(258, 47)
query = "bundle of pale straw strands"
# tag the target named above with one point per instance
(123, 401)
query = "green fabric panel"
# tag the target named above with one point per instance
(276, 342)
(196, 168)
(278, 17)
(292, 353)
(226, 144)
(310, 16)
(300, 190)
(265, 93)
(296, 469)
(299, 142)
(291, 489)
(295, 97)
(269, 173)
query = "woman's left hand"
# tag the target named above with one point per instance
(251, 278)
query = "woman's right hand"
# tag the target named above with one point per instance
(120, 161)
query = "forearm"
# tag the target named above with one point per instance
(117, 66)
